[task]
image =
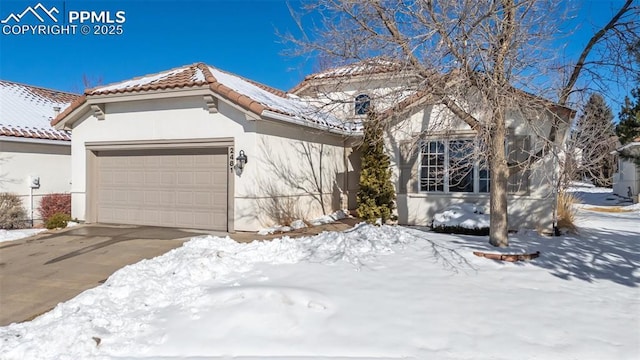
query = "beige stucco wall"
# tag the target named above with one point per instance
(165, 119)
(627, 177)
(296, 173)
(275, 152)
(531, 210)
(48, 160)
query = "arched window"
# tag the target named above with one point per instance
(362, 104)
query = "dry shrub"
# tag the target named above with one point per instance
(566, 211)
(12, 213)
(282, 210)
(52, 204)
(612, 209)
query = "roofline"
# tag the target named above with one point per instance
(270, 115)
(41, 87)
(309, 82)
(71, 114)
(254, 110)
(35, 140)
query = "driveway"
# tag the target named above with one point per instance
(39, 272)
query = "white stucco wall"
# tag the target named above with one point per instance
(531, 210)
(163, 119)
(48, 160)
(274, 150)
(293, 173)
(627, 178)
(338, 96)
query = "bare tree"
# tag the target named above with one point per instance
(480, 59)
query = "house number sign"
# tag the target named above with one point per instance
(231, 159)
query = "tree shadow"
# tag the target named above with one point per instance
(591, 256)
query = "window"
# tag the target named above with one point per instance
(450, 166)
(461, 165)
(432, 166)
(363, 102)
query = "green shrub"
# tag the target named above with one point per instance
(58, 220)
(376, 196)
(12, 212)
(51, 204)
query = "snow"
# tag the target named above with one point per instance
(150, 79)
(10, 235)
(590, 195)
(27, 108)
(468, 216)
(363, 67)
(366, 293)
(295, 107)
(299, 224)
(198, 75)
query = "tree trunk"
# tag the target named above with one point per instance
(499, 228)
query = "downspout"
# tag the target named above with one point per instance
(345, 180)
(31, 204)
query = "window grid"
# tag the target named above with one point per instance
(447, 166)
(432, 166)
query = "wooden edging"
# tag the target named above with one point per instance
(507, 257)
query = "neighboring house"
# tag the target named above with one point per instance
(164, 149)
(626, 181)
(35, 158)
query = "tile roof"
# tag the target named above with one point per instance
(372, 66)
(26, 111)
(248, 94)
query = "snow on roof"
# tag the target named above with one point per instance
(253, 96)
(365, 67)
(287, 105)
(137, 82)
(368, 66)
(26, 111)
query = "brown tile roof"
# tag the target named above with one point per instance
(374, 66)
(246, 93)
(26, 111)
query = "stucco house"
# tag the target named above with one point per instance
(626, 180)
(434, 154)
(35, 158)
(199, 147)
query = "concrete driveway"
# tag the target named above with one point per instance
(39, 272)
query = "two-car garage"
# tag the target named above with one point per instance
(184, 185)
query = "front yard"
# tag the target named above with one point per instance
(370, 292)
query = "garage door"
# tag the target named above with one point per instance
(165, 187)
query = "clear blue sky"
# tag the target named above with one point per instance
(237, 36)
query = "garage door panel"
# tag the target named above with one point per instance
(175, 188)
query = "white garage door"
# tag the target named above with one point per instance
(168, 187)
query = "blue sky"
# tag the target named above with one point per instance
(237, 36)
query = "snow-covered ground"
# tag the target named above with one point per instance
(10, 235)
(368, 293)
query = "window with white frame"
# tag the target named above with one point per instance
(432, 166)
(450, 166)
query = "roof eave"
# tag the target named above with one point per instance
(67, 120)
